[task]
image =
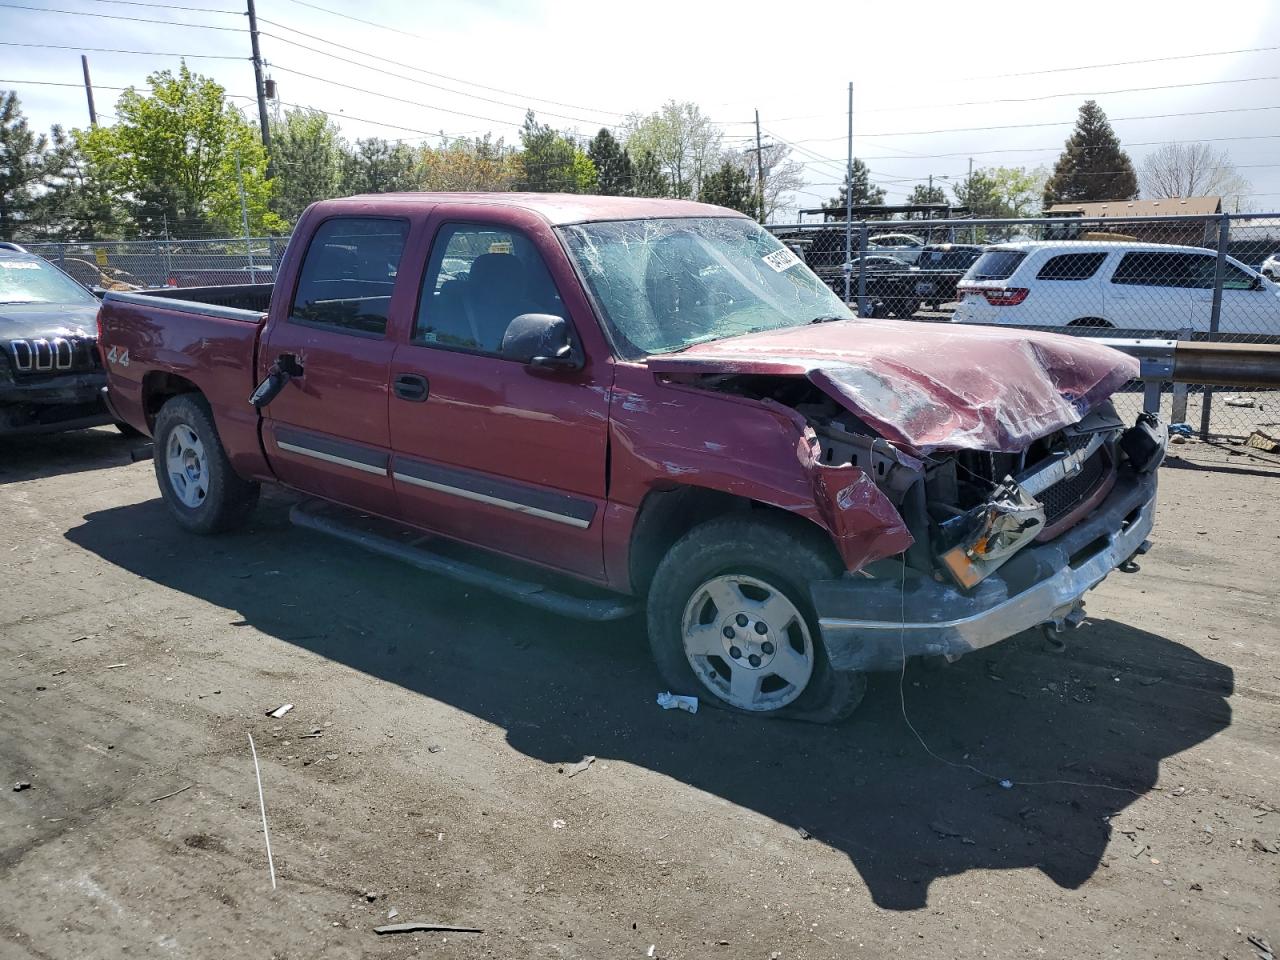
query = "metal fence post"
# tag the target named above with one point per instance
(862, 269)
(1215, 315)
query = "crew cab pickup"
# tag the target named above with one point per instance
(601, 404)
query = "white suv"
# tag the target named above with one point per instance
(1271, 267)
(1145, 286)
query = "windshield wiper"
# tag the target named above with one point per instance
(827, 318)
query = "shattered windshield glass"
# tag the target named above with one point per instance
(667, 284)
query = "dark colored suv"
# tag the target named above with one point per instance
(51, 378)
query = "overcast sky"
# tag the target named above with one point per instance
(921, 71)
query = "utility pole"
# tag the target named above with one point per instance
(244, 220)
(848, 205)
(88, 90)
(968, 186)
(759, 168)
(259, 87)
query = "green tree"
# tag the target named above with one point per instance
(375, 165)
(24, 169)
(78, 202)
(1092, 165)
(648, 179)
(613, 164)
(731, 186)
(1002, 192)
(306, 153)
(552, 161)
(864, 191)
(181, 156)
(683, 140)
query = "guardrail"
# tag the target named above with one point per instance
(1254, 366)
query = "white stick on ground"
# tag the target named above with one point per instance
(262, 803)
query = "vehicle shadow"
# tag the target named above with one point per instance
(1107, 712)
(36, 456)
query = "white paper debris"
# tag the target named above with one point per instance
(675, 701)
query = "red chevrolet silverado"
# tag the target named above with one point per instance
(600, 405)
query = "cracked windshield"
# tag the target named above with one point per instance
(664, 285)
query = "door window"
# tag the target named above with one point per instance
(1071, 266)
(1233, 278)
(1192, 271)
(348, 275)
(479, 279)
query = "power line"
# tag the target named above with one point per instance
(371, 23)
(1123, 63)
(146, 53)
(425, 83)
(1055, 123)
(113, 16)
(172, 6)
(432, 73)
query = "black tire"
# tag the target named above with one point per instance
(1095, 322)
(229, 499)
(784, 553)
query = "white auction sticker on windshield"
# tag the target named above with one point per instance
(781, 260)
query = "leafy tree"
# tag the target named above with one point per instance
(613, 164)
(307, 153)
(1092, 165)
(551, 160)
(375, 165)
(1190, 170)
(730, 186)
(863, 190)
(683, 141)
(927, 193)
(172, 157)
(461, 164)
(648, 179)
(24, 169)
(1002, 192)
(78, 203)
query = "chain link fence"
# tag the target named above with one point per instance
(136, 264)
(1176, 277)
(1198, 278)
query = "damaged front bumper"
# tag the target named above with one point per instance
(870, 624)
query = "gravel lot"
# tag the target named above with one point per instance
(425, 767)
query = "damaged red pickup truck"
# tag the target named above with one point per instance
(585, 401)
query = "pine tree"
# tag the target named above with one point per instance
(612, 163)
(649, 180)
(24, 168)
(864, 191)
(1092, 165)
(730, 186)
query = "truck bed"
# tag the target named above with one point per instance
(161, 342)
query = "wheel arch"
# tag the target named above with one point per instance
(160, 386)
(666, 514)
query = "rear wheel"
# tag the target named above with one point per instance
(195, 477)
(1097, 322)
(730, 619)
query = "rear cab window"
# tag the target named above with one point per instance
(996, 265)
(1071, 266)
(349, 274)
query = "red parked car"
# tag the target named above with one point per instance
(648, 403)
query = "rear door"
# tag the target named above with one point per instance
(484, 449)
(1152, 290)
(326, 433)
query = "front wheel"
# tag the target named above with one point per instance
(196, 480)
(730, 618)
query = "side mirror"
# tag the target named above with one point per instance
(1257, 284)
(540, 340)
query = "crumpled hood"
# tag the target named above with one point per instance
(32, 321)
(926, 385)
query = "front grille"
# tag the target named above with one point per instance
(1066, 495)
(53, 355)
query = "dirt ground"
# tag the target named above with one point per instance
(425, 767)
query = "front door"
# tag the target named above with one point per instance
(326, 433)
(485, 450)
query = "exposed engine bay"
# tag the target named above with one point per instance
(968, 511)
